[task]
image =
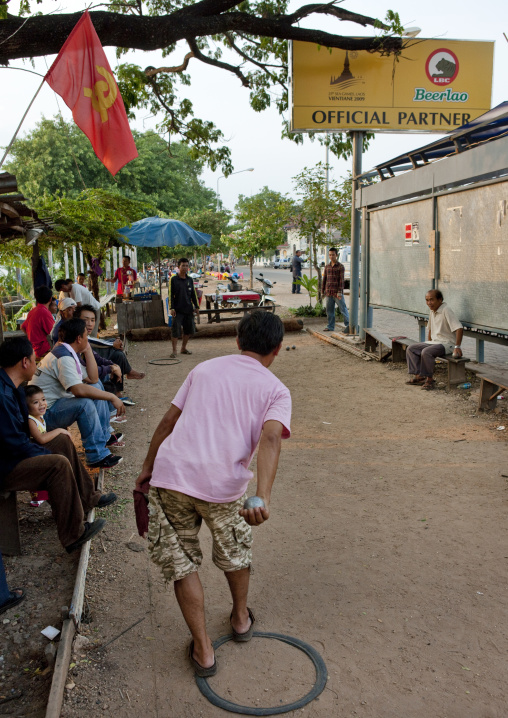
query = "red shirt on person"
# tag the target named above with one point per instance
(124, 276)
(37, 326)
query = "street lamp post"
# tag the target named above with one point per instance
(250, 169)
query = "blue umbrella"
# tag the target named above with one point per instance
(159, 232)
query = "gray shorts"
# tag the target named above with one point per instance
(182, 322)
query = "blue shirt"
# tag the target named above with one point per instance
(15, 444)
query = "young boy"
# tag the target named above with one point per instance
(37, 406)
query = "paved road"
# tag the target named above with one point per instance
(391, 323)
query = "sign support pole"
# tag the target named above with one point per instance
(354, 285)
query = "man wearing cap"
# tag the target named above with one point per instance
(81, 295)
(66, 307)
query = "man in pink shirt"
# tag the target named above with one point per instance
(209, 480)
(39, 322)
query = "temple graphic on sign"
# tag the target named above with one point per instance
(346, 78)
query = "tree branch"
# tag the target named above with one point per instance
(340, 13)
(151, 71)
(45, 35)
(216, 63)
(261, 65)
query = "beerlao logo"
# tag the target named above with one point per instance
(100, 101)
(442, 67)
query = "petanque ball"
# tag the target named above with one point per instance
(294, 346)
(253, 502)
(288, 348)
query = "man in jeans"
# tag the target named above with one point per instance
(333, 290)
(54, 467)
(209, 482)
(71, 395)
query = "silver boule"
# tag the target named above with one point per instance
(253, 502)
(287, 349)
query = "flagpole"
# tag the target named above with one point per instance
(22, 120)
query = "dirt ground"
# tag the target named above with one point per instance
(386, 551)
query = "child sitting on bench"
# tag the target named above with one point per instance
(37, 406)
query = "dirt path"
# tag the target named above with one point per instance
(386, 551)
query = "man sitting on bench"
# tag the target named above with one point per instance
(55, 467)
(444, 337)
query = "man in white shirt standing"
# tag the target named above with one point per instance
(81, 295)
(444, 337)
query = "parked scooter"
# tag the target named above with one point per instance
(266, 295)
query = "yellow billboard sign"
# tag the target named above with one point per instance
(435, 86)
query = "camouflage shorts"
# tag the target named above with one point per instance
(175, 520)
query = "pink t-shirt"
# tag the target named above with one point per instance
(224, 403)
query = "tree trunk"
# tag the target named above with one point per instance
(94, 284)
(251, 261)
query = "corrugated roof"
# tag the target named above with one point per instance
(489, 126)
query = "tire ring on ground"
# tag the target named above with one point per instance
(164, 362)
(317, 689)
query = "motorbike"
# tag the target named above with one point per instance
(266, 295)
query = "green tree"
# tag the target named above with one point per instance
(263, 218)
(56, 158)
(248, 39)
(320, 209)
(92, 220)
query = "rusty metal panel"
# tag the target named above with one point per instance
(401, 268)
(473, 273)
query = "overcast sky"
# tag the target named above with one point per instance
(254, 138)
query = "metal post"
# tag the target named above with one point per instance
(355, 235)
(480, 351)
(364, 279)
(66, 262)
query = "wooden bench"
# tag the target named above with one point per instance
(456, 367)
(375, 343)
(10, 537)
(490, 388)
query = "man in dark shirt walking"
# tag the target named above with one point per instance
(183, 302)
(333, 290)
(297, 271)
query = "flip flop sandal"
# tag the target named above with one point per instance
(428, 386)
(185, 351)
(14, 600)
(244, 637)
(200, 670)
(415, 382)
(172, 356)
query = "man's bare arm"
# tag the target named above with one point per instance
(267, 462)
(85, 391)
(164, 429)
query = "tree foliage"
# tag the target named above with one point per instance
(263, 218)
(321, 209)
(56, 158)
(248, 39)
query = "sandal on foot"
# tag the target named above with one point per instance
(429, 385)
(16, 596)
(200, 670)
(416, 382)
(244, 637)
(172, 356)
(185, 351)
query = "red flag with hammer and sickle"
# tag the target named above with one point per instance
(81, 75)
